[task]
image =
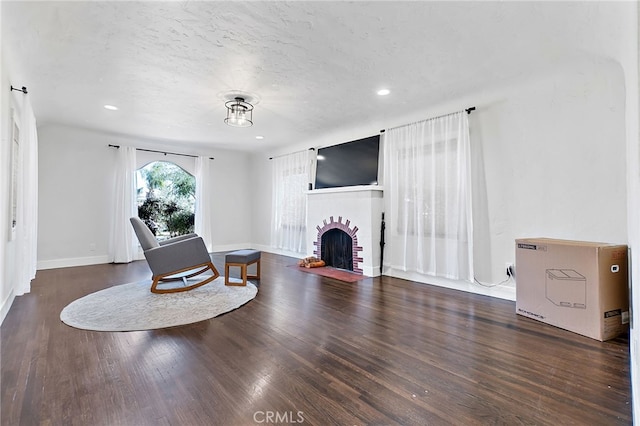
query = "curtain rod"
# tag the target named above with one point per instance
(466, 109)
(282, 155)
(161, 152)
(23, 90)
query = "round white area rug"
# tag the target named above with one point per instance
(131, 307)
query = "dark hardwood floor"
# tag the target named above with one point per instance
(308, 350)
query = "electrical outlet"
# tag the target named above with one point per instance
(508, 267)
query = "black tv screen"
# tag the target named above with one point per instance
(348, 164)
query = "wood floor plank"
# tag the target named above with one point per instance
(307, 349)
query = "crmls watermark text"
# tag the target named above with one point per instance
(278, 417)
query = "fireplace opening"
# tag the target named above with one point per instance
(337, 249)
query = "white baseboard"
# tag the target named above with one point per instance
(80, 261)
(507, 292)
(6, 305)
(371, 271)
(97, 260)
(280, 252)
(70, 262)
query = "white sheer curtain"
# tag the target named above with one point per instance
(26, 235)
(204, 201)
(122, 245)
(290, 183)
(428, 198)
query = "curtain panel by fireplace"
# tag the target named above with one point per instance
(290, 183)
(428, 198)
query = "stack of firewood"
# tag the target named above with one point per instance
(311, 262)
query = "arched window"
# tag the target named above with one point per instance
(166, 198)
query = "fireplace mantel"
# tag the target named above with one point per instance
(355, 209)
(346, 189)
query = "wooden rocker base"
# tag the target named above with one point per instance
(169, 277)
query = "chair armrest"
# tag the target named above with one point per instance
(176, 256)
(178, 238)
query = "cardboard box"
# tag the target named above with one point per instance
(575, 285)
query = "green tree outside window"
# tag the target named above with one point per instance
(166, 199)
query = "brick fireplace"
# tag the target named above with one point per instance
(352, 233)
(355, 211)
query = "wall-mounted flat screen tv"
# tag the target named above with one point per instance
(348, 164)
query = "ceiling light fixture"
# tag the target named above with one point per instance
(383, 92)
(259, 137)
(239, 113)
(111, 107)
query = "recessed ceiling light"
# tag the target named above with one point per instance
(383, 92)
(111, 107)
(259, 137)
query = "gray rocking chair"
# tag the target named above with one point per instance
(170, 259)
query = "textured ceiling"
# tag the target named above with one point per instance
(313, 66)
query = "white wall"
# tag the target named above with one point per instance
(554, 159)
(235, 205)
(261, 168)
(76, 178)
(76, 172)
